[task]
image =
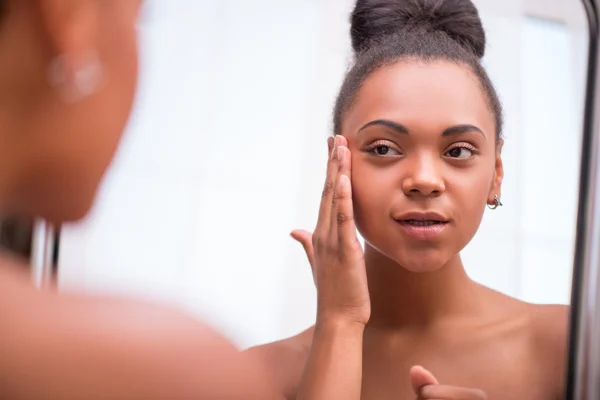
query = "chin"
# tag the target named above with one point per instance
(412, 259)
(420, 264)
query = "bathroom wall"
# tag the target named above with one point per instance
(226, 149)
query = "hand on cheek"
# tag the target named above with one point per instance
(333, 250)
(426, 387)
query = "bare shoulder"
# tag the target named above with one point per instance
(547, 324)
(549, 334)
(285, 360)
(544, 325)
(550, 326)
(550, 315)
(543, 329)
(81, 345)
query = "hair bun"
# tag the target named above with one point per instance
(372, 20)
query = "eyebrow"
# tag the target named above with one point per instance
(401, 129)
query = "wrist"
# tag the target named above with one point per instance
(339, 324)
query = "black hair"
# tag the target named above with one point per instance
(384, 32)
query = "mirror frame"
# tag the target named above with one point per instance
(583, 363)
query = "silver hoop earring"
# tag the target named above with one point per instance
(497, 203)
(76, 84)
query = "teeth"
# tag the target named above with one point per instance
(421, 223)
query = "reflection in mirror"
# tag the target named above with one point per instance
(226, 154)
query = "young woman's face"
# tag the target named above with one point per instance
(425, 161)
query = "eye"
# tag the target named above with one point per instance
(461, 152)
(382, 149)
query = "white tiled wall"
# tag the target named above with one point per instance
(225, 155)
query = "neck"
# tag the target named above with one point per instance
(400, 298)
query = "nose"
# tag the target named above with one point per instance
(423, 177)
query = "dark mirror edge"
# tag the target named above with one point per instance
(583, 289)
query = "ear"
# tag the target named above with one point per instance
(496, 186)
(69, 28)
(330, 142)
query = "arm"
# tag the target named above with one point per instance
(76, 347)
(284, 361)
(334, 367)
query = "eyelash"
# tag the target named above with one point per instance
(381, 143)
(467, 146)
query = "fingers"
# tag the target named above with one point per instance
(305, 239)
(342, 205)
(330, 144)
(344, 158)
(446, 392)
(324, 219)
(420, 377)
(426, 386)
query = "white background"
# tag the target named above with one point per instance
(226, 149)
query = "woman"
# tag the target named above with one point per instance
(415, 160)
(68, 72)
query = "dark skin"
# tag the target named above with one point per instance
(57, 137)
(419, 138)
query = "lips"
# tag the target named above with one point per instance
(422, 225)
(422, 216)
(416, 222)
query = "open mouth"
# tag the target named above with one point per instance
(422, 225)
(415, 222)
(423, 229)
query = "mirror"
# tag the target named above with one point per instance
(584, 357)
(226, 151)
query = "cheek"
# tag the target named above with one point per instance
(469, 193)
(469, 189)
(372, 193)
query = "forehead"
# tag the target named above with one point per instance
(424, 95)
